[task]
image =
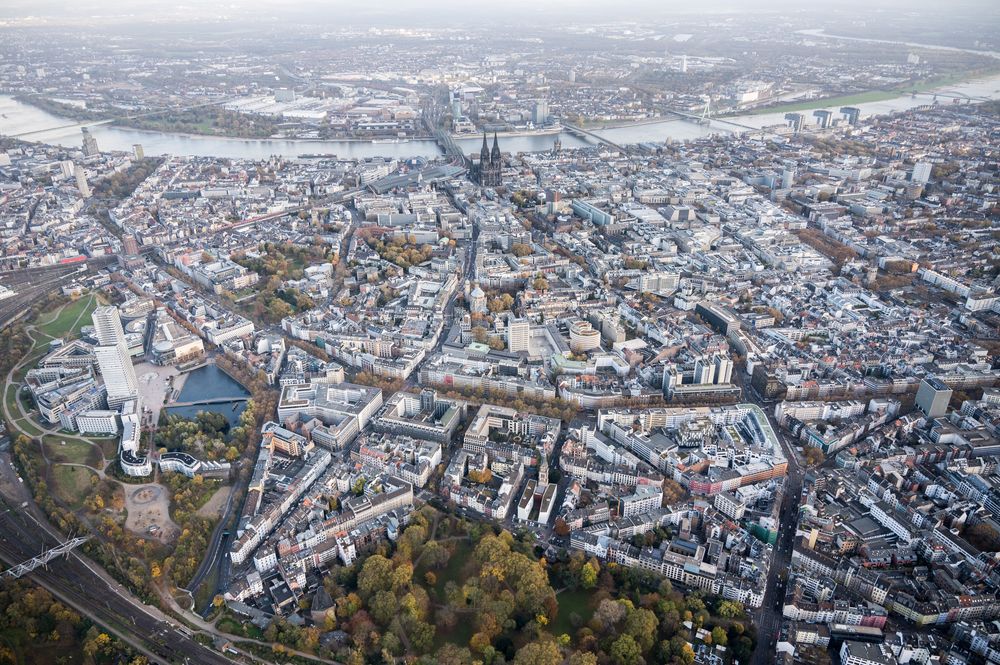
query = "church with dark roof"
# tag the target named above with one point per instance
(489, 170)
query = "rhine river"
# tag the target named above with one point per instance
(17, 118)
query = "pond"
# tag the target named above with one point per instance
(210, 384)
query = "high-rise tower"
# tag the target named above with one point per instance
(89, 144)
(81, 181)
(113, 357)
(108, 326)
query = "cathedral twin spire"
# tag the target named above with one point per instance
(490, 163)
(485, 155)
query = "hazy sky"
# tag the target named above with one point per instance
(445, 9)
(956, 17)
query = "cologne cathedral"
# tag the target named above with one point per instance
(488, 171)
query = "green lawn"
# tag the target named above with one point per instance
(452, 570)
(73, 316)
(10, 397)
(29, 363)
(72, 451)
(27, 426)
(571, 601)
(72, 484)
(26, 400)
(109, 446)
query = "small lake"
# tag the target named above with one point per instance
(231, 410)
(211, 383)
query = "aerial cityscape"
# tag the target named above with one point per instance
(540, 332)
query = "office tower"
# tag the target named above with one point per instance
(572, 76)
(704, 371)
(794, 120)
(81, 182)
(851, 113)
(108, 325)
(684, 64)
(787, 178)
(113, 357)
(119, 375)
(540, 113)
(427, 398)
(67, 168)
(518, 335)
(138, 151)
(89, 144)
(824, 118)
(922, 172)
(933, 397)
(723, 369)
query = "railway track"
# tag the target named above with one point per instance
(73, 581)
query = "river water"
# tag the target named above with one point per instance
(17, 118)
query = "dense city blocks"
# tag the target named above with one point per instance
(545, 333)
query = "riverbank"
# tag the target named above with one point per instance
(203, 120)
(626, 124)
(870, 96)
(545, 131)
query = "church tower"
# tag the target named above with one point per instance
(484, 153)
(490, 168)
(495, 156)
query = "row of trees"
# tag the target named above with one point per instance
(555, 408)
(836, 251)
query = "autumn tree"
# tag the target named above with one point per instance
(542, 652)
(588, 575)
(625, 650)
(375, 575)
